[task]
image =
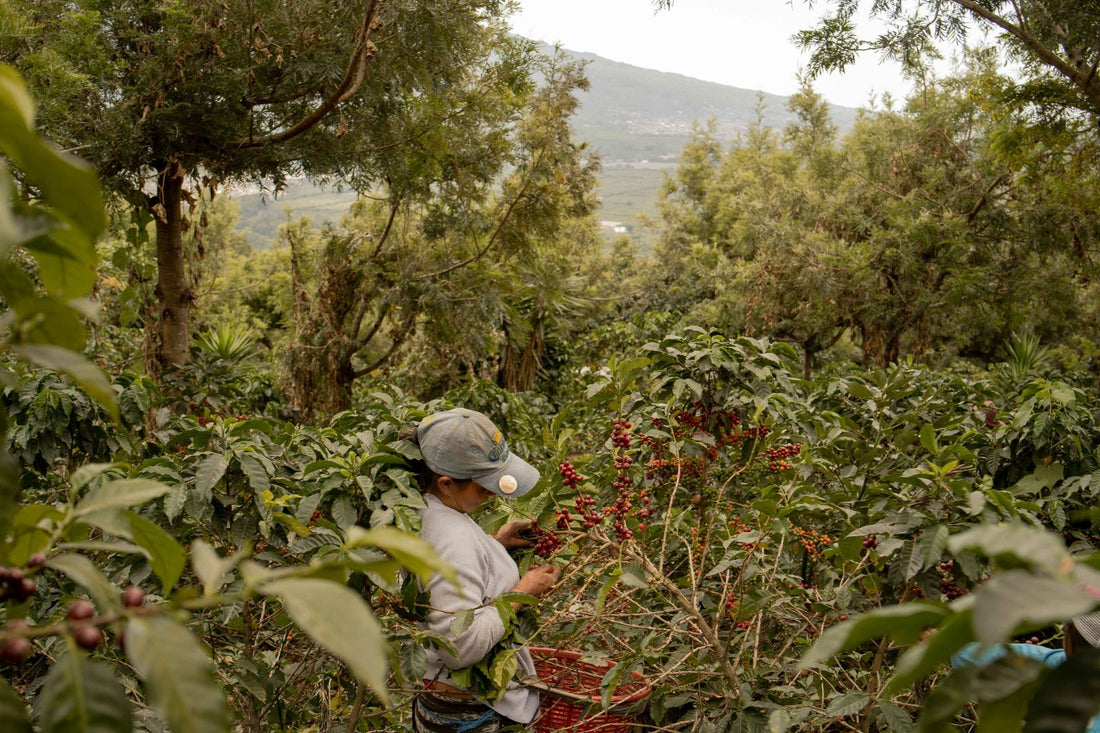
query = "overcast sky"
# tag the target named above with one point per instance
(741, 43)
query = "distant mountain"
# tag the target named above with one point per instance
(637, 119)
(631, 114)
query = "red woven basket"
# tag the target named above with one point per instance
(571, 698)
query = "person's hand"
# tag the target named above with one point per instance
(538, 580)
(510, 534)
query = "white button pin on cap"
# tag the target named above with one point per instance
(508, 484)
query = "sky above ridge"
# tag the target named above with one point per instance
(737, 43)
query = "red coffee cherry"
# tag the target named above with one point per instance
(36, 560)
(81, 610)
(87, 637)
(27, 588)
(133, 597)
(15, 650)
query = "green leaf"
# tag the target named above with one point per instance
(503, 669)
(1016, 600)
(120, 495)
(897, 720)
(904, 623)
(66, 262)
(344, 513)
(65, 182)
(337, 619)
(82, 570)
(1003, 715)
(860, 391)
(610, 682)
(609, 582)
(79, 695)
(1004, 678)
(414, 662)
(175, 501)
(257, 475)
(408, 549)
(15, 101)
(848, 704)
(932, 544)
(461, 621)
(1043, 477)
(87, 473)
(86, 375)
(1062, 394)
(212, 569)
(928, 439)
(125, 548)
(910, 559)
(463, 677)
(165, 554)
(178, 674)
(1069, 697)
(210, 472)
(1015, 545)
(921, 660)
(13, 711)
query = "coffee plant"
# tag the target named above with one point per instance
(716, 517)
(770, 552)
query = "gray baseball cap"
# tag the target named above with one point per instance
(1089, 623)
(1089, 626)
(463, 444)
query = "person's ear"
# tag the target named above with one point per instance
(446, 484)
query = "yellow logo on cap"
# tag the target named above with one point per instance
(497, 436)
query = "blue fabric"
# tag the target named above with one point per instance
(976, 654)
(461, 724)
(473, 724)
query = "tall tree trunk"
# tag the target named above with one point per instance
(808, 355)
(172, 328)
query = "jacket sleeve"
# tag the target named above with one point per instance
(486, 628)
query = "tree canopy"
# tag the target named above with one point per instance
(169, 100)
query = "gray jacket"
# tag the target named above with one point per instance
(485, 571)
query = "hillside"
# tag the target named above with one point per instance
(637, 119)
(631, 114)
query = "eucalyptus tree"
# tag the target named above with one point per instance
(170, 98)
(946, 226)
(450, 257)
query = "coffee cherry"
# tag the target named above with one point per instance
(87, 637)
(81, 610)
(133, 597)
(36, 560)
(15, 650)
(27, 588)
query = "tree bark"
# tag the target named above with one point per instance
(172, 329)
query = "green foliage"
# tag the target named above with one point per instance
(1050, 41)
(91, 527)
(924, 231)
(725, 506)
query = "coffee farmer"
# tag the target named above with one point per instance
(1080, 633)
(466, 463)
